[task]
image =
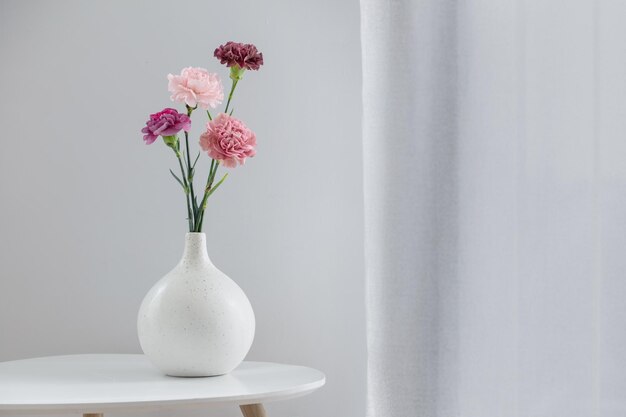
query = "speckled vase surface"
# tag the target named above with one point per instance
(196, 321)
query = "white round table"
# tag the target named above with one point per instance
(94, 384)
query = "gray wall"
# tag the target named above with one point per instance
(90, 218)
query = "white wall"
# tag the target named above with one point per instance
(90, 219)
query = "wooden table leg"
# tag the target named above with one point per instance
(253, 410)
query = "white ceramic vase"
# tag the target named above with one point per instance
(196, 321)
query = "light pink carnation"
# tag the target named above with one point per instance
(228, 140)
(196, 86)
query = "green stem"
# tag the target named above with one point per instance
(230, 95)
(186, 185)
(194, 202)
(189, 175)
(208, 195)
(200, 212)
(208, 190)
(202, 207)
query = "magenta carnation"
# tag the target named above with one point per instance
(167, 122)
(246, 56)
(228, 140)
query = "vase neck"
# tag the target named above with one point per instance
(195, 249)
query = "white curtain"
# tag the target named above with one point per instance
(495, 192)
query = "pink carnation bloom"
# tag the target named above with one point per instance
(228, 140)
(196, 86)
(167, 122)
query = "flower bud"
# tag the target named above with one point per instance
(171, 141)
(236, 72)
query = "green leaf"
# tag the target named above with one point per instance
(217, 185)
(179, 180)
(192, 170)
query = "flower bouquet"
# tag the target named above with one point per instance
(196, 321)
(227, 140)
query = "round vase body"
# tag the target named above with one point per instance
(195, 321)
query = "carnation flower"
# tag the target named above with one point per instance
(228, 140)
(246, 56)
(196, 87)
(167, 122)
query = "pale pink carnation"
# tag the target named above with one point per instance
(228, 140)
(196, 86)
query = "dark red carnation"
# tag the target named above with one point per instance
(246, 56)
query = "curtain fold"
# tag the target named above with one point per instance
(495, 203)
